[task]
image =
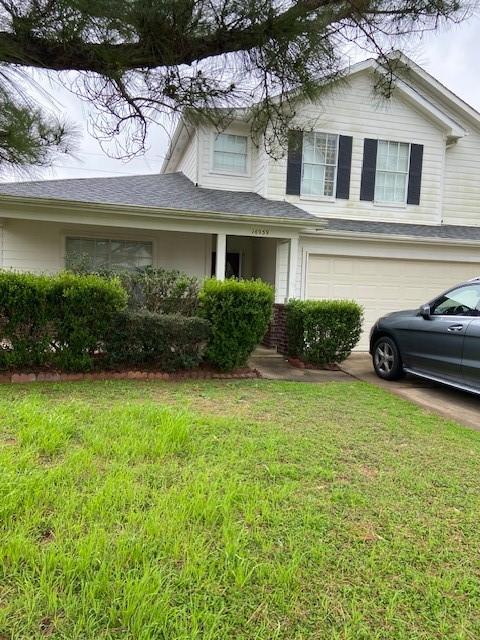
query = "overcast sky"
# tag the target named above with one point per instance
(451, 55)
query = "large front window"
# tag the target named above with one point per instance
(392, 172)
(98, 253)
(230, 153)
(319, 164)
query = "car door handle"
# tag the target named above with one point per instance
(455, 328)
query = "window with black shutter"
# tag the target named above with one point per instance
(319, 164)
(391, 172)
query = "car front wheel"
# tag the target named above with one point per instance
(387, 361)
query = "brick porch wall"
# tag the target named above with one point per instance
(276, 336)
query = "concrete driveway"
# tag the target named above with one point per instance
(456, 405)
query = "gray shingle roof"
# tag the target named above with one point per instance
(445, 231)
(170, 191)
(176, 191)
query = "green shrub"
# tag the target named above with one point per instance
(170, 342)
(55, 320)
(239, 312)
(83, 308)
(161, 291)
(25, 320)
(324, 331)
(156, 290)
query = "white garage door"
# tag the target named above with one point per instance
(382, 285)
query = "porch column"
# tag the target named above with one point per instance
(221, 256)
(292, 267)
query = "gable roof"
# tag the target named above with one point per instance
(412, 80)
(171, 191)
(436, 88)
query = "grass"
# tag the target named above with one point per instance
(248, 510)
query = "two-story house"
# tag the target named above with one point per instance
(376, 200)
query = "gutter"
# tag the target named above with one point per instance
(383, 237)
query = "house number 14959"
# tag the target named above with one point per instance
(259, 232)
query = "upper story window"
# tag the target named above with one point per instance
(319, 164)
(230, 153)
(391, 179)
(116, 255)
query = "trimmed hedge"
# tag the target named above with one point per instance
(239, 312)
(161, 291)
(154, 289)
(324, 331)
(56, 320)
(170, 342)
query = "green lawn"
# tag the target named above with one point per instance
(243, 510)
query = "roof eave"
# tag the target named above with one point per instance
(457, 103)
(157, 212)
(173, 143)
(453, 129)
(377, 237)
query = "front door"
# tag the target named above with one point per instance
(435, 345)
(232, 264)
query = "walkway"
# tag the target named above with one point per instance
(274, 366)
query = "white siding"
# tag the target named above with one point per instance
(461, 198)
(261, 171)
(450, 190)
(353, 109)
(188, 162)
(211, 179)
(40, 246)
(461, 190)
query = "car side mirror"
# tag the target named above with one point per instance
(425, 311)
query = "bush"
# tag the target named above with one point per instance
(83, 309)
(170, 342)
(25, 320)
(161, 291)
(323, 332)
(156, 290)
(55, 320)
(239, 312)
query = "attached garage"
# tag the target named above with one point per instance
(382, 285)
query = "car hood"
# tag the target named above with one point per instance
(398, 314)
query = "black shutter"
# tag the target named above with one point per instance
(344, 167)
(415, 174)
(367, 185)
(294, 162)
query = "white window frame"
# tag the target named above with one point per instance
(394, 203)
(226, 172)
(328, 198)
(110, 237)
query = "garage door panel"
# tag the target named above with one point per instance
(382, 285)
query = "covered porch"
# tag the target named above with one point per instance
(41, 239)
(160, 220)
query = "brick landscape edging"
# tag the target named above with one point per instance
(44, 376)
